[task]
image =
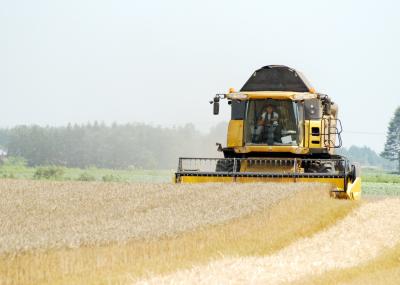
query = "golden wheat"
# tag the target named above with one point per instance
(35, 214)
(358, 238)
(382, 270)
(91, 233)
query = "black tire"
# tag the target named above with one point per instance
(327, 167)
(226, 165)
(317, 167)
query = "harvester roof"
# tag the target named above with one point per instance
(277, 78)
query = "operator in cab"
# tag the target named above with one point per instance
(267, 130)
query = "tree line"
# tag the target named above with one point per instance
(110, 146)
(366, 157)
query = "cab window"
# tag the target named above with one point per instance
(271, 122)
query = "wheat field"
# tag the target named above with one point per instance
(123, 233)
(46, 215)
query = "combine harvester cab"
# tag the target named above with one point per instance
(281, 130)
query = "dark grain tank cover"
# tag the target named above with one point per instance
(276, 78)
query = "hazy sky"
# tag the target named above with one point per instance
(160, 62)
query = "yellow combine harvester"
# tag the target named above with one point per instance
(281, 130)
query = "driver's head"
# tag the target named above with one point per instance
(269, 108)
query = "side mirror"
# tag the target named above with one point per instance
(215, 103)
(326, 104)
(216, 108)
(327, 109)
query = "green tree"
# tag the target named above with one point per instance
(392, 145)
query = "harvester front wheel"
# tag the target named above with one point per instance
(320, 167)
(227, 165)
